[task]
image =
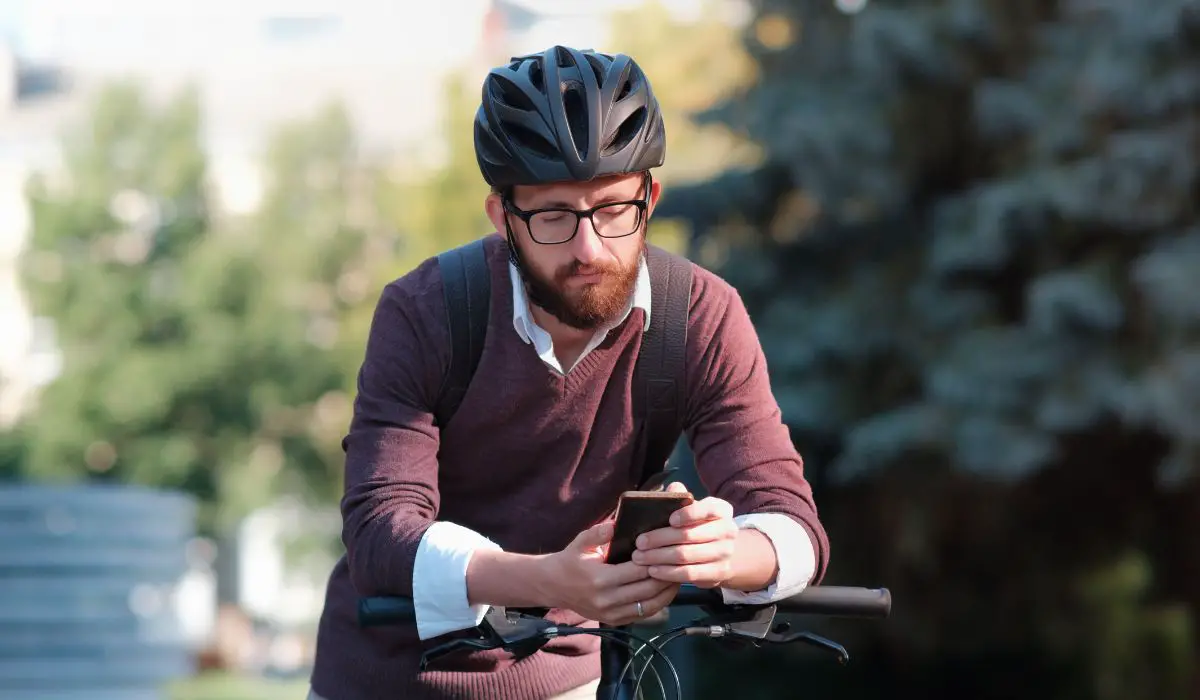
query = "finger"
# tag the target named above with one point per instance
(616, 575)
(618, 599)
(595, 536)
(710, 508)
(702, 553)
(701, 575)
(661, 599)
(708, 531)
(652, 603)
(677, 487)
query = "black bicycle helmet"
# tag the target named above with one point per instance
(567, 114)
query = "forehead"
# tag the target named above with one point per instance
(579, 194)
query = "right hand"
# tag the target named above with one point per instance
(579, 580)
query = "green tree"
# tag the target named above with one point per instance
(970, 253)
(198, 353)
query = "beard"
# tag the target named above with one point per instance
(585, 307)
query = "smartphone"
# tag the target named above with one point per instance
(639, 512)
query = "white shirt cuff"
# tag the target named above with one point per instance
(794, 552)
(440, 579)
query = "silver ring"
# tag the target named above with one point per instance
(639, 609)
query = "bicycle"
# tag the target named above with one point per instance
(523, 631)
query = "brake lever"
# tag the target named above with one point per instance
(779, 636)
(451, 647)
(514, 632)
(757, 625)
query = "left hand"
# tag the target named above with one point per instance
(698, 548)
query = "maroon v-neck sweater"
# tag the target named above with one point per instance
(531, 459)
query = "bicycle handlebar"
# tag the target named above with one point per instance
(828, 601)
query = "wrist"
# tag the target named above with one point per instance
(543, 578)
(755, 565)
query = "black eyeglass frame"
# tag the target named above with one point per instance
(642, 205)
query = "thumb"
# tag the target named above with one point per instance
(595, 536)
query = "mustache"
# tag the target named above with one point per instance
(576, 268)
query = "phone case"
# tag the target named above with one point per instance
(638, 512)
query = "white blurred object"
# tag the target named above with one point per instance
(8, 78)
(272, 587)
(851, 7)
(195, 596)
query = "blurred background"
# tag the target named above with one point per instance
(968, 232)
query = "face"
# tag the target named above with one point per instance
(586, 282)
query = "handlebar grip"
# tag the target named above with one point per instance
(829, 601)
(840, 601)
(376, 611)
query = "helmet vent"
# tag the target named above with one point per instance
(597, 68)
(509, 94)
(536, 77)
(483, 146)
(531, 140)
(626, 133)
(626, 88)
(577, 119)
(562, 57)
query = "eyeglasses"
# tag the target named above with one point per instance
(556, 225)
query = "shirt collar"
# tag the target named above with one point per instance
(523, 321)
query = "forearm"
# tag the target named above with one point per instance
(496, 577)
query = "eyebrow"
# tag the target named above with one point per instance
(607, 199)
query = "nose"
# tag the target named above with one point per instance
(588, 246)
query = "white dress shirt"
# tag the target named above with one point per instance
(440, 569)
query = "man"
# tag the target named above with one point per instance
(508, 504)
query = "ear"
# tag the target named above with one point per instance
(655, 193)
(493, 206)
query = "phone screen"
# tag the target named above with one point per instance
(639, 512)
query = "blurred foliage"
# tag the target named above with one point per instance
(436, 208)
(970, 253)
(12, 455)
(216, 685)
(706, 64)
(693, 62)
(197, 353)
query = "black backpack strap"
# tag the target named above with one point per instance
(466, 286)
(659, 383)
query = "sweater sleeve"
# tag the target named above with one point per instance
(394, 543)
(744, 453)
(391, 493)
